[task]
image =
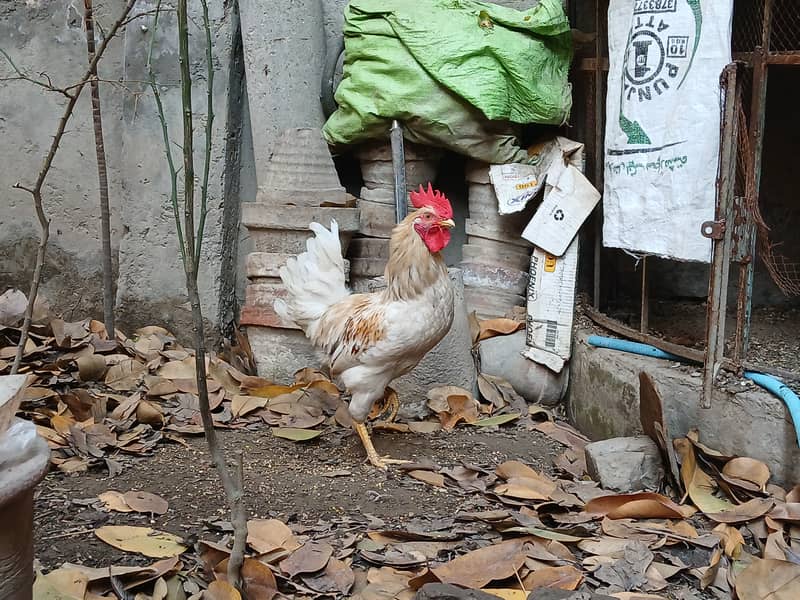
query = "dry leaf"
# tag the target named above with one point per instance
(145, 502)
(267, 535)
(562, 578)
(731, 538)
(309, 558)
(124, 375)
(259, 582)
(60, 584)
(336, 578)
(500, 326)
(91, 367)
(749, 470)
(477, 568)
(295, 434)
(242, 405)
(769, 580)
(143, 540)
(563, 433)
(644, 505)
(115, 501)
(221, 590)
(424, 427)
(435, 479)
(526, 488)
(497, 420)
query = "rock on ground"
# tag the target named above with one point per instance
(625, 464)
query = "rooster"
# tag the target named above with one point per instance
(368, 340)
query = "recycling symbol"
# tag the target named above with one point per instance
(559, 215)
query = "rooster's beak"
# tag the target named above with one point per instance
(447, 223)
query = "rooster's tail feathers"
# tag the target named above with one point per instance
(314, 280)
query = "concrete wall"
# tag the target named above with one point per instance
(603, 402)
(268, 65)
(48, 37)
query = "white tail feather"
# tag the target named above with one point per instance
(314, 280)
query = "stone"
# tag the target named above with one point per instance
(625, 464)
(501, 356)
(447, 591)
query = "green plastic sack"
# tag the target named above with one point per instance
(452, 82)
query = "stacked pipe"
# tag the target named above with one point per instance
(496, 258)
(300, 186)
(370, 250)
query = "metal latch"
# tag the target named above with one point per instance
(714, 230)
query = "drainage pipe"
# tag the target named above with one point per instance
(769, 383)
(782, 391)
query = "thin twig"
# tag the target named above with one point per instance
(102, 176)
(36, 191)
(209, 124)
(23, 77)
(190, 241)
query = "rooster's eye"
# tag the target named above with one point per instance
(427, 216)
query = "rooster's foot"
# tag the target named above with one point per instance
(377, 461)
(389, 402)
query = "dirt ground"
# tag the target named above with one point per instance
(283, 480)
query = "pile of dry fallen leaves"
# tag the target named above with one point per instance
(525, 530)
(718, 528)
(94, 398)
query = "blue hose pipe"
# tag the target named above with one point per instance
(782, 391)
(769, 383)
(631, 347)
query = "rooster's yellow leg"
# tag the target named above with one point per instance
(379, 462)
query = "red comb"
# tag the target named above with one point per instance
(434, 199)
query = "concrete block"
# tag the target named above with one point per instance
(501, 356)
(301, 161)
(481, 275)
(604, 402)
(490, 302)
(284, 57)
(378, 219)
(508, 258)
(508, 234)
(625, 464)
(279, 353)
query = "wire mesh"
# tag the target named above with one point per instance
(782, 268)
(748, 17)
(785, 33)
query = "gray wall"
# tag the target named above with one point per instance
(48, 37)
(267, 80)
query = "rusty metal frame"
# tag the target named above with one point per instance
(722, 239)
